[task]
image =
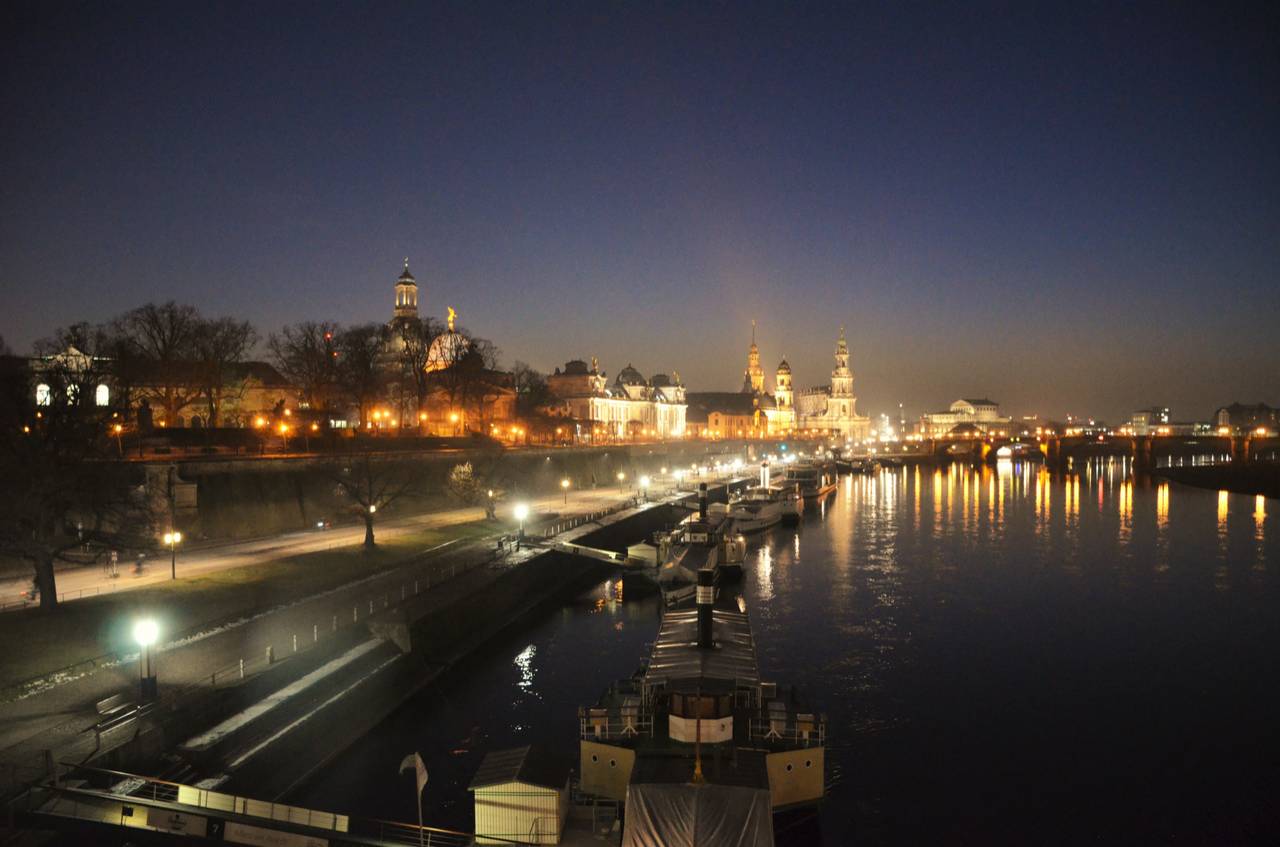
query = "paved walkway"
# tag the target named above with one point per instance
(75, 583)
(58, 714)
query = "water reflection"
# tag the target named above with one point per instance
(764, 570)
(1005, 615)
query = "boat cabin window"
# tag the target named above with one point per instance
(701, 706)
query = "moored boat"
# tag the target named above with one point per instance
(815, 479)
(696, 745)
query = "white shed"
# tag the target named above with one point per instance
(521, 795)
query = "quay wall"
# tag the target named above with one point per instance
(442, 637)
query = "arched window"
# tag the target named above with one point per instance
(42, 394)
(196, 423)
(179, 422)
(102, 396)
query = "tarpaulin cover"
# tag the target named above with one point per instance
(672, 815)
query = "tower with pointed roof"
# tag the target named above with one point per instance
(406, 295)
(841, 376)
(753, 377)
(782, 394)
(833, 409)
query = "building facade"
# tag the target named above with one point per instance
(1246, 417)
(833, 409)
(632, 408)
(972, 415)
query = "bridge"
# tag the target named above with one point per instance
(1061, 451)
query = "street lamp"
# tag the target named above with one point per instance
(172, 539)
(145, 632)
(564, 484)
(644, 487)
(621, 476)
(521, 512)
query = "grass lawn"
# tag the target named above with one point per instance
(36, 643)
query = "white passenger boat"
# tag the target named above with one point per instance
(757, 508)
(815, 479)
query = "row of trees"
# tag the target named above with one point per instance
(361, 366)
(175, 357)
(168, 354)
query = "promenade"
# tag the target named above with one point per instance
(53, 711)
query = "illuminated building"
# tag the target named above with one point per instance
(982, 415)
(833, 409)
(632, 408)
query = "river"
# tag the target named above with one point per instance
(1004, 656)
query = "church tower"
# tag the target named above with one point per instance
(753, 379)
(782, 394)
(841, 404)
(406, 295)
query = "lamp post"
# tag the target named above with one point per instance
(521, 512)
(118, 429)
(644, 488)
(145, 632)
(564, 484)
(172, 539)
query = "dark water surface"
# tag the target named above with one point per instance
(1003, 656)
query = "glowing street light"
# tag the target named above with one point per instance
(564, 484)
(644, 486)
(172, 539)
(521, 512)
(146, 631)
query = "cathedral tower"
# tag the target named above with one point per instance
(841, 404)
(782, 394)
(406, 295)
(753, 379)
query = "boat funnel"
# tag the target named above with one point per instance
(706, 597)
(702, 501)
(764, 474)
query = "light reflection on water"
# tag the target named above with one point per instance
(975, 622)
(1088, 644)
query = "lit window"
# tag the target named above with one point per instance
(42, 395)
(102, 396)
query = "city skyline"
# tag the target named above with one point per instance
(1019, 205)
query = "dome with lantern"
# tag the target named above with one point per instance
(448, 348)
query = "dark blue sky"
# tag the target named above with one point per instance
(1070, 209)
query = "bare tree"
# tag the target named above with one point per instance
(307, 355)
(471, 379)
(65, 498)
(360, 365)
(373, 483)
(220, 344)
(413, 340)
(160, 347)
(531, 388)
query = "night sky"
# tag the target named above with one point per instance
(1070, 211)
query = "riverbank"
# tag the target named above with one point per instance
(1255, 478)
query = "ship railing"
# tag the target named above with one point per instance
(614, 724)
(793, 729)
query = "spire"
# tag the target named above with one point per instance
(753, 332)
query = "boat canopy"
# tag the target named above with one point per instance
(676, 654)
(683, 815)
